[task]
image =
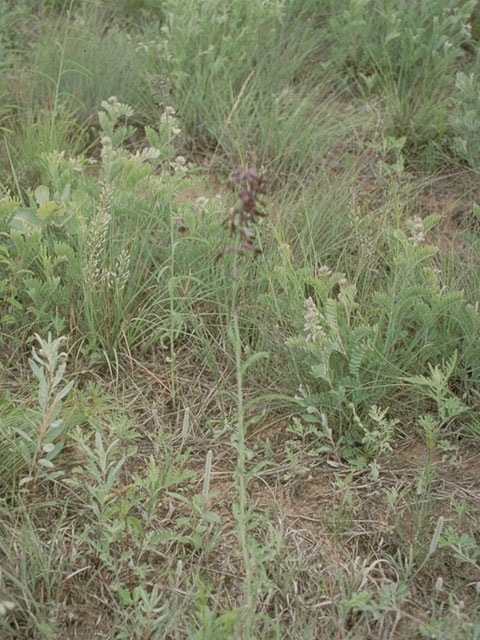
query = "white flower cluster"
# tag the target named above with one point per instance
(97, 235)
(322, 271)
(167, 118)
(312, 317)
(467, 31)
(146, 154)
(179, 165)
(116, 109)
(118, 278)
(107, 152)
(93, 272)
(202, 202)
(417, 232)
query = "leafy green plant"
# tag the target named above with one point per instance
(145, 612)
(335, 344)
(72, 252)
(421, 318)
(435, 386)
(30, 285)
(466, 118)
(407, 54)
(405, 43)
(245, 75)
(210, 624)
(111, 525)
(465, 547)
(40, 449)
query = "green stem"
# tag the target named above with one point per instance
(171, 287)
(241, 483)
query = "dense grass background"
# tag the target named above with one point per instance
(279, 443)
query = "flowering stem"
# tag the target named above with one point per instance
(240, 223)
(242, 515)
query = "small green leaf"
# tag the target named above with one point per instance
(42, 194)
(125, 596)
(51, 209)
(46, 463)
(136, 524)
(25, 218)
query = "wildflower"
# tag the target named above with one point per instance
(417, 232)
(169, 112)
(241, 220)
(467, 31)
(119, 277)
(97, 236)
(312, 317)
(116, 109)
(179, 165)
(323, 271)
(201, 202)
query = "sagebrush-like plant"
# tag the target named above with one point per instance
(40, 449)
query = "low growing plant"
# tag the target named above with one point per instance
(41, 446)
(406, 54)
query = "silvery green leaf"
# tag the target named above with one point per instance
(57, 447)
(42, 195)
(46, 463)
(59, 374)
(37, 371)
(23, 434)
(61, 394)
(55, 474)
(54, 430)
(24, 220)
(42, 393)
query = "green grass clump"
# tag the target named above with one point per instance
(80, 58)
(408, 56)
(248, 80)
